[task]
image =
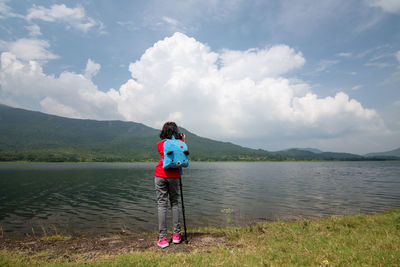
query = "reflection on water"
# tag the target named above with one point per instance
(105, 198)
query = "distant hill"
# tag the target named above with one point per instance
(35, 136)
(391, 153)
(300, 154)
(313, 150)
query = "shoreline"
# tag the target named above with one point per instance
(371, 239)
(53, 233)
(219, 161)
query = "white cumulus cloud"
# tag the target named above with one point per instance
(390, 6)
(34, 30)
(233, 92)
(92, 68)
(70, 94)
(73, 17)
(269, 62)
(231, 95)
(30, 49)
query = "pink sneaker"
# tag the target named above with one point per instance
(162, 243)
(176, 238)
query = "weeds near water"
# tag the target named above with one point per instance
(49, 233)
(228, 215)
(43, 230)
(2, 232)
(54, 235)
(55, 229)
(124, 230)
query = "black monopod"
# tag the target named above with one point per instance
(183, 211)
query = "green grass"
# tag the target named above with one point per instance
(354, 240)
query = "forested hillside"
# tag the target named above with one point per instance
(35, 136)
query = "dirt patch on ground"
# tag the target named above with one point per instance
(87, 248)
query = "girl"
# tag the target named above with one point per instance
(167, 186)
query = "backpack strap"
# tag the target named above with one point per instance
(165, 139)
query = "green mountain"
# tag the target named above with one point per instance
(302, 154)
(35, 136)
(391, 153)
(313, 150)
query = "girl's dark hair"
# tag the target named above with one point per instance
(170, 129)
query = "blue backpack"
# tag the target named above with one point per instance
(175, 154)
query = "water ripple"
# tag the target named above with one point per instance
(102, 198)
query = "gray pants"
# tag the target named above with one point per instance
(167, 188)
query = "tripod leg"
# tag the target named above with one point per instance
(183, 210)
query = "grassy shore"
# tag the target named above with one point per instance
(353, 240)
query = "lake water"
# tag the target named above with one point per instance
(86, 199)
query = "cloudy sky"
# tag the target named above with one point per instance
(263, 74)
